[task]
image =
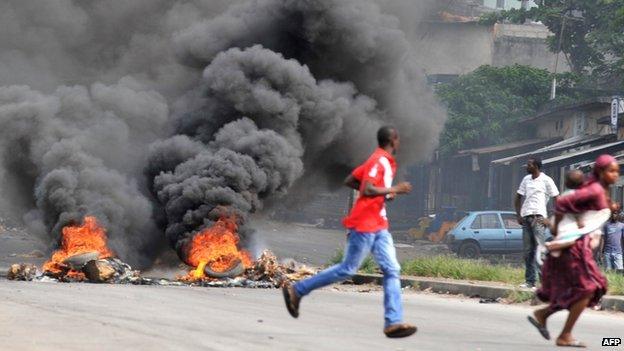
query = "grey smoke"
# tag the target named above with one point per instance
(348, 41)
(322, 76)
(277, 117)
(45, 44)
(158, 116)
(70, 150)
(86, 87)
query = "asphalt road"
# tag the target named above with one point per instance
(54, 316)
(317, 246)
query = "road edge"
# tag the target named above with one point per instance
(471, 289)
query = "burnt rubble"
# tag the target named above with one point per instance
(77, 262)
(91, 269)
(267, 268)
(266, 273)
(22, 271)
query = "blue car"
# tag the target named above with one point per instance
(486, 232)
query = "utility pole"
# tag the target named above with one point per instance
(553, 89)
(564, 18)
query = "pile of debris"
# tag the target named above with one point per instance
(22, 271)
(84, 256)
(79, 268)
(88, 267)
(265, 273)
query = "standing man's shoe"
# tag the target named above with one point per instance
(292, 299)
(400, 330)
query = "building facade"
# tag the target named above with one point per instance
(565, 137)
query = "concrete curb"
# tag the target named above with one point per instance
(613, 303)
(440, 286)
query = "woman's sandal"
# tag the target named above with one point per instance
(573, 343)
(542, 329)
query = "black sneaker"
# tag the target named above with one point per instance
(400, 330)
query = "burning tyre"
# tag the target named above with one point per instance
(214, 252)
(237, 268)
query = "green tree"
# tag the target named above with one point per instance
(484, 106)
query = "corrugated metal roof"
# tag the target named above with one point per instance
(578, 105)
(582, 152)
(503, 147)
(618, 156)
(575, 141)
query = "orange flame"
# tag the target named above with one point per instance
(217, 248)
(75, 240)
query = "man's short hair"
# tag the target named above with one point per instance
(384, 135)
(536, 161)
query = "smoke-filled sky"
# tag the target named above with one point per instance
(155, 116)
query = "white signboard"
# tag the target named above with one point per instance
(617, 107)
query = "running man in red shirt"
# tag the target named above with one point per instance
(368, 232)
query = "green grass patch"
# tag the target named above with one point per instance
(368, 266)
(457, 268)
(452, 267)
(337, 258)
(517, 296)
(616, 283)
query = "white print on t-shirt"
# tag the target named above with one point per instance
(388, 176)
(536, 193)
(387, 171)
(373, 172)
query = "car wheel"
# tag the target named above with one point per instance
(469, 249)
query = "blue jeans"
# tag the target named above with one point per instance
(359, 245)
(613, 260)
(532, 239)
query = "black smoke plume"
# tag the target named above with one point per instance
(291, 90)
(85, 87)
(224, 104)
(69, 149)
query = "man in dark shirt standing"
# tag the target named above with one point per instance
(368, 232)
(612, 243)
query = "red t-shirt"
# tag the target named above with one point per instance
(369, 213)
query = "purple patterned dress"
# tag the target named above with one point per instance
(574, 274)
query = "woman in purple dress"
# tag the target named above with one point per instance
(573, 280)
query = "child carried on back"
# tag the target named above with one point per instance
(573, 181)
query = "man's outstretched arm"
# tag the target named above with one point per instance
(351, 182)
(371, 190)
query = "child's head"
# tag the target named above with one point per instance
(574, 179)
